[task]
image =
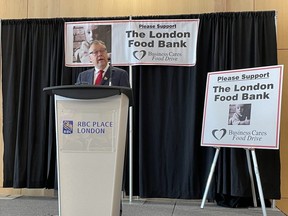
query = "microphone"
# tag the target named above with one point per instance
(110, 79)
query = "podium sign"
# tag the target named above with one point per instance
(91, 137)
(86, 129)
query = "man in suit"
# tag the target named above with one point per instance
(102, 73)
(108, 75)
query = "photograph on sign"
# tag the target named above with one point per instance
(239, 114)
(242, 108)
(79, 36)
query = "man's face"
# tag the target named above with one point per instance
(98, 56)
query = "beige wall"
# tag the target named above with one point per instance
(18, 9)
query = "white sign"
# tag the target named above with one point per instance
(242, 108)
(82, 128)
(134, 42)
(155, 42)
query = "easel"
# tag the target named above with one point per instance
(256, 170)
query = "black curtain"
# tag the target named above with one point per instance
(167, 117)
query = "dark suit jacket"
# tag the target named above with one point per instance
(117, 76)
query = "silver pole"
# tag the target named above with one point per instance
(251, 177)
(130, 139)
(210, 176)
(130, 143)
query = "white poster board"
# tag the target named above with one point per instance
(242, 108)
(155, 42)
(134, 42)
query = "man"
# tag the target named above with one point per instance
(108, 75)
(102, 73)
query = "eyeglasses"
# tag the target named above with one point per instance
(96, 52)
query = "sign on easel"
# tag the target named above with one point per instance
(242, 108)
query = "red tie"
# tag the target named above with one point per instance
(99, 77)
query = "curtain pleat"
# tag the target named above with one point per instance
(168, 160)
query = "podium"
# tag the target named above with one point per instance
(91, 129)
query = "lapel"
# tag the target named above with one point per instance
(105, 79)
(91, 76)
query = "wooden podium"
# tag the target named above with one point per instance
(91, 125)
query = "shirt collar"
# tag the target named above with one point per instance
(105, 69)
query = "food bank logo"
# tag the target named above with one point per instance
(67, 127)
(139, 54)
(219, 134)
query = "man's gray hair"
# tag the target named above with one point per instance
(96, 42)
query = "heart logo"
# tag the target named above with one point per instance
(219, 134)
(139, 54)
